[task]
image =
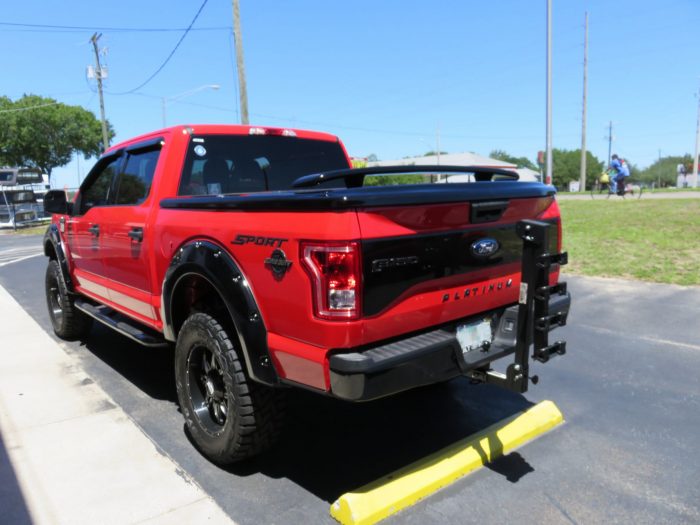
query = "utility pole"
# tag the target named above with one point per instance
(238, 41)
(697, 146)
(548, 172)
(98, 76)
(582, 178)
(610, 139)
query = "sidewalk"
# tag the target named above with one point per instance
(75, 455)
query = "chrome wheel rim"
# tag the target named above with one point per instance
(207, 389)
(55, 302)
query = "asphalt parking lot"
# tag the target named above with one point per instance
(629, 389)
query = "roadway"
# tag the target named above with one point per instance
(628, 388)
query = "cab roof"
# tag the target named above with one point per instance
(227, 129)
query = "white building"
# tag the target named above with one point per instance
(460, 159)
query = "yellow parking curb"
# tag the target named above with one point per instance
(404, 487)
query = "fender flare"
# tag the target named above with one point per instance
(213, 263)
(53, 237)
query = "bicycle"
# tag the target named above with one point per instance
(603, 188)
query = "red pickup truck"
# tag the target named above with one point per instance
(268, 263)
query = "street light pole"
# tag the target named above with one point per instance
(548, 172)
(165, 100)
(697, 146)
(582, 176)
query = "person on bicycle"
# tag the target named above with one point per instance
(622, 171)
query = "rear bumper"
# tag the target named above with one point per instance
(427, 358)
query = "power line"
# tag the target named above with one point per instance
(30, 107)
(47, 104)
(169, 56)
(70, 29)
(354, 128)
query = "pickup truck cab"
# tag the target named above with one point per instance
(264, 260)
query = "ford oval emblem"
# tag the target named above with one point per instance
(484, 248)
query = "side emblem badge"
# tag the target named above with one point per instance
(278, 263)
(484, 248)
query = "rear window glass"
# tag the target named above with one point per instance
(218, 164)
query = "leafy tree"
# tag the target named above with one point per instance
(566, 166)
(520, 162)
(432, 152)
(372, 157)
(395, 180)
(48, 135)
(664, 170)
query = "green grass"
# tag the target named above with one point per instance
(656, 190)
(28, 230)
(654, 240)
(669, 190)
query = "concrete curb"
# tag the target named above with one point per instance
(402, 488)
(77, 456)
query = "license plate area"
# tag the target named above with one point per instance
(474, 337)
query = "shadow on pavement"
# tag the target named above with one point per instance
(12, 503)
(149, 369)
(330, 446)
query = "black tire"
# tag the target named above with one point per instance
(68, 322)
(229, 417)
(600, 191)
(594, 190)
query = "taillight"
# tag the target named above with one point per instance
(334, 269)
(552, 212)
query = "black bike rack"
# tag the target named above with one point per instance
(534, 319)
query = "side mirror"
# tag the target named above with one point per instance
(55, 202)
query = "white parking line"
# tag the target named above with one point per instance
(18, 259)
(646, 338)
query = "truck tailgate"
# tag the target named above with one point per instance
(409, 251)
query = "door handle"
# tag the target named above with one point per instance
(136, 234)
(95, 230)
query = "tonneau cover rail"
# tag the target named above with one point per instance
(354, 177)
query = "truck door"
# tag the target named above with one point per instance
(84, 226)
(125, 239)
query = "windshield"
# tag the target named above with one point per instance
(218, 164)
(29, 177)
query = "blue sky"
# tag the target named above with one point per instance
(383, 75)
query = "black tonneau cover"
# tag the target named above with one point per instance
(367, 196)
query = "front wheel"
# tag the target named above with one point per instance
(229, 417)
(67, 321)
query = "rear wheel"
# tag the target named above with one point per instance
(68, 322)
(600, 191)
(229, 417)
